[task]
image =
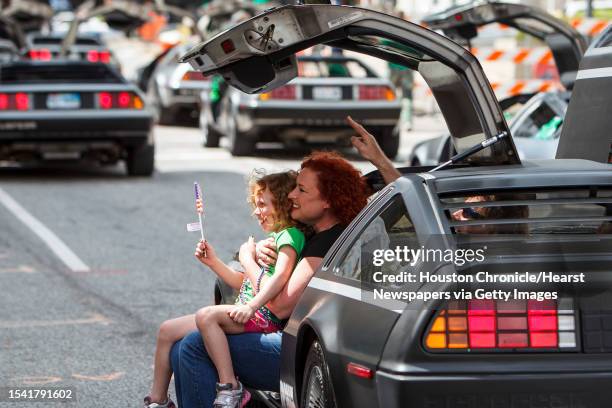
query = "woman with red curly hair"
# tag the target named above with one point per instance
(329, 193)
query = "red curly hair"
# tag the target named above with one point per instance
(339, 183)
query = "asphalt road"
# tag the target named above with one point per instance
(92, 261)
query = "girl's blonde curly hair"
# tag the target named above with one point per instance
(279, 185)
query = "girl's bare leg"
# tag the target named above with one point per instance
(170, 332)
(214, 323)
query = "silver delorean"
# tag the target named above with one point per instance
(342, 347)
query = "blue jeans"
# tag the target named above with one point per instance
(256, 360)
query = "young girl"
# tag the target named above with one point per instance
(268, 197)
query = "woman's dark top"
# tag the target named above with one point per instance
(318, 244)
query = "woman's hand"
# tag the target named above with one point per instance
(265, 252)
(206, 253)
(242, 313)
(365, 143)
(247, 251)
(368, 148)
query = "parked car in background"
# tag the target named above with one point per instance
(174, 88)
(55, 107)
(47, 47)
(343, 346)
(535, 136)
(77, 110)
(312, 108)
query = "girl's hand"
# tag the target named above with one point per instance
(202, 248)
(242, 313)
(265, 252)
(247, 251)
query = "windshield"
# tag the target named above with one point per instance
(333, 68)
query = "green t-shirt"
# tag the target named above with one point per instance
(290, 236)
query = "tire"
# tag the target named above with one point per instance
(211, 137)
(317, 390)
(239, 143)
(161, 115)
(166, 116)
(388, 138)
(141, 160)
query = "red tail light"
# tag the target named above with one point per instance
(284, 92)
(376, 92)
(42, 54)
(22, 101)
(193, 76)
(98, 56)
(497, 325)
(119, 100)
(17, 101)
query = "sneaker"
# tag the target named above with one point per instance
(148, 404)
(227, 397)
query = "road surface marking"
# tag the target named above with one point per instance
(56, 245)
(104, 377)
(19, 269)
(95, 319)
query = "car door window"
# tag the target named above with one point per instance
(541, 124)
(390, 228)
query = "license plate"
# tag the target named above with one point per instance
(327, 93)
(64, 101)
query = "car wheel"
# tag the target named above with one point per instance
(141, 160)
(388, 138)
(161, 115)
(316, 387)
(239, 144)
(211, 137)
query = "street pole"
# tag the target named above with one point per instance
(589, 8)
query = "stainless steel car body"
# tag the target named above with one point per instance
(83, 44)
(310, 116)
(535, 128)
(63, 117)
(374, 352)
(567, 46)
(174, 86)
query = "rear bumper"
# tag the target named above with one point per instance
(305, 115)
(549, 390)
(74, 126)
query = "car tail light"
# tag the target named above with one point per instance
(98, 56)
(376, 92)
(495, 325)
(119, 100)
(283, 92)
(14, 101)
(42, 54)
(193, 76)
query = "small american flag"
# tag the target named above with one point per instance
(198, 198)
